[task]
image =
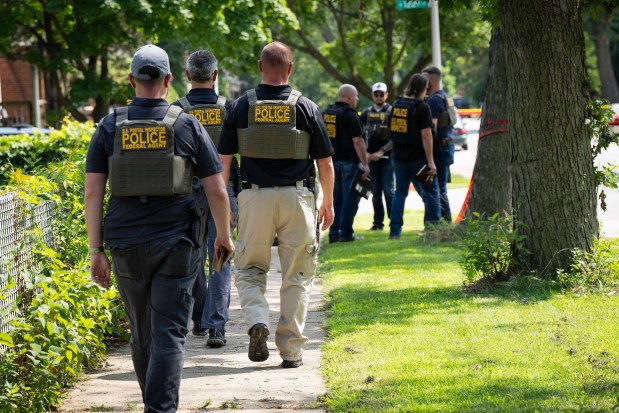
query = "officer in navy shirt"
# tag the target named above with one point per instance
(210, 312)
(154, 256)
(437, 100)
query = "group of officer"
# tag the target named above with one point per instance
(174, 180)
(182, 176)
(392, 143)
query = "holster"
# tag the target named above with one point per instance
(198, 208)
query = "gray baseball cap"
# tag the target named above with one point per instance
(150, 62)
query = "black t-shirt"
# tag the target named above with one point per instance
(348, 127)
(276, 172)
(206, 96)
(129, 220)
(375, 142)
(421, 118)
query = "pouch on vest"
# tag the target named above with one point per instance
(272, 129)
(449, 117)
(377, 125)
(210, 115)
(143, 162)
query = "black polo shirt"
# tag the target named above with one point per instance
(129, 220)
(348, 127)
(276, 172)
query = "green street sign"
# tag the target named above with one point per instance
(411, 4)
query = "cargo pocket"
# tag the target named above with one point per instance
(239, 254)
(125, 261)
(180, 257)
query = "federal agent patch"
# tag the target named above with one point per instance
(207, 117)
(272, 114)
(399, 122)
(330, 124)
(143, 138)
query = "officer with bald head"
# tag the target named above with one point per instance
(344, 129)
(280, 136)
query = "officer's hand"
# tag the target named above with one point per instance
(100, 269)
(326, 214)
(225, 243)
(366, 171)
(432, 167)
(374, 157)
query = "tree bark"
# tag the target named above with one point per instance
(554, 191)
(491, 189)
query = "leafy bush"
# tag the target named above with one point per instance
(597, 270)
(490, 247)
(60, 320)
(598, 120)
(29, 152)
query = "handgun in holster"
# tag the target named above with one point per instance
(199, 208)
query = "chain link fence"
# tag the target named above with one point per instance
(17, 221)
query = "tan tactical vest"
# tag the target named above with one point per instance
(210, 115)
(272, 131)
(143, 162)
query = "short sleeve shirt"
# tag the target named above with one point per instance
(438, 106)
(130, 220)
(276, 172)
(348, 127)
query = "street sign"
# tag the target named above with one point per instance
(412, 4)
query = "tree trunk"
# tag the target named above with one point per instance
(599, 33)
(554, 191)
(102, 105)
(491, 189)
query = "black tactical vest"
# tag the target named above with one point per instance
(376, 125)
(210, 115)
(343, 147)
(272, 129)
(143, 162)
(400, 119)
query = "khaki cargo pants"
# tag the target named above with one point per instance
(289, 212)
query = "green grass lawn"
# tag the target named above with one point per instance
(404, 336)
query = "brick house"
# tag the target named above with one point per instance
(16, 92)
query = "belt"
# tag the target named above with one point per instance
(249, 185)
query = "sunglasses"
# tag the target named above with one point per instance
(379, 94)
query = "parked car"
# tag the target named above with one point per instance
(21, 129)
(462, 103)
(461, 135)
(614, 125)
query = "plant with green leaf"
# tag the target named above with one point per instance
(491, 246)
(599, 119)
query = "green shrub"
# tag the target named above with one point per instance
(29, 152)
(490, 247)
(597, 270)
(60, 320)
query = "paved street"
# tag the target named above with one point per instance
(465, 161)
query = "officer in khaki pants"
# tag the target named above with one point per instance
(279, 134)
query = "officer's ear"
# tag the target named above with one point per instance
(290, 67)
(167, 79)
(260, 65)
(214, 75)
(131, 80)
(188, 75)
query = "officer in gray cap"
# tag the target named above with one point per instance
(150, 151)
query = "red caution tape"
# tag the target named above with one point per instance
(465, 204)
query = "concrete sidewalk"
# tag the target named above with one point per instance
(224, 378)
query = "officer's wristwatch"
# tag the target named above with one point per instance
(95, 250)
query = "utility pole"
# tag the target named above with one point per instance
(436, 34)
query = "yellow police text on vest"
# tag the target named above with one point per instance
(207, 117)
(272, 114)
(144, 138)
(398, 120)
